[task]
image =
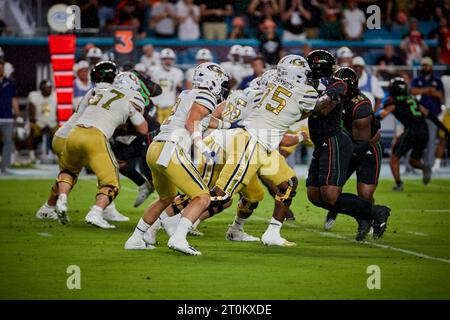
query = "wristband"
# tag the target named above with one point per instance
(223, 124)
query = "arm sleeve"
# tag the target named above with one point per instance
(136, 118)
(206, 99)
(362, 109)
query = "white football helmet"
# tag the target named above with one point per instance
(168, 53)
(255, 83)
(235, 50)
(248, 51)
(293, 67)
(212, 77)
(204, 55)
(268, 76)
(140, 67)
(94, 53)
(344, 52)
(127, 80)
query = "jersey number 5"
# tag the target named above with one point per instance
(276, 97)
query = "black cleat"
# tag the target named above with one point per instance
(330, 219)
(290, 215)
(363, 229)
(426, 175)
(380, 215)
(398, 187)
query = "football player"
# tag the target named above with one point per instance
(87, 144)
(360, 125)
(233, 65)
(103, 72)
(333, 150)
(169, 157)
(253, 149)
(170, 79)
(415, 136)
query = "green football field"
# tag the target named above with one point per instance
(413, 256)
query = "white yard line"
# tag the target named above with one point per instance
(416, 233)
(369, 243)
(424, 210)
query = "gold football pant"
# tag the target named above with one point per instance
(163, 113)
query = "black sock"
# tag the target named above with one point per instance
(399, 182)
(353, 206)
(131, 173)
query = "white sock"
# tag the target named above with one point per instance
(437, 163)
(164, 215)
(238, 223)
(97, 209)
(49, 206)
(274, 226)
(62, 197)
(141, 228)
(196, 223)
(111, 206)
(182, 228)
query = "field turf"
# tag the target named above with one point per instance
(413, 256)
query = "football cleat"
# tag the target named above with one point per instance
(144, 192)
(61, 209)
(381, 215)
(183, 246)
(195, 232)
(426, 175)
(137, 244)
(364, 227)
(276, 240)
(47, 212)
(290, 215)
(398, 187)
(111, 214)
(234, 234)
(330, 220)
(170, 224)
(150, 234)
(96, 219)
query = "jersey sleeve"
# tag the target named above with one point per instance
(205, 99)
(362, 109)
(389, 101)
(307, 100)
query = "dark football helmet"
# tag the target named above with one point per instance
(349, 76)
(398, 87)
(321, 63)
(103, 71)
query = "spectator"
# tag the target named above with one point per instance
(89, 13)
(330, 28)
(188, 18)
(440, 150)
(413, 46)
(261, 10)
(42, 113)
(245, 69)
(163, 19)
(108, 28)
(237, 29)
(387, 62)
(270, 44)
(214, 14)
(443, 10)
(422, 10)
(202, 56)
(294, 15)
(344, 57)
(4, 30)
(233, 65)
(8, 67)
(353, 21)
(368, 83)
(150, 58)
(9, 109)
(431, 90)
(81, 84)
(306, 49)
(258, 66)
(444, 41)
(312, 26)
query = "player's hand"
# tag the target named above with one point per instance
(235, 125)
(375, 139)
(303, 136)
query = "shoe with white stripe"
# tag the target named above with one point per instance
(95, 218)
(61, 209)
(150, 234)
(330, 220)
(183, 246)
(110, 213)
(234, 234)
(195, 232)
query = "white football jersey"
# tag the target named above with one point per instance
(241, 71)
(64, 130)
(45, 108)
(280, 107)
(239, 105)
(189, 75)
(169, 80)
(109, 107)
(173, 129)
(230, 68)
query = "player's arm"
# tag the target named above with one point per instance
(434, 119)
(387, 109)
(330, 98)
(290, 139)
(138, 120)
(362, 135)
(194, 125)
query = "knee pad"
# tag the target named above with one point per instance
(70, 181)
(246, 206)
(287, 191)
(180, 202)
(110, 191)
(218, 202)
